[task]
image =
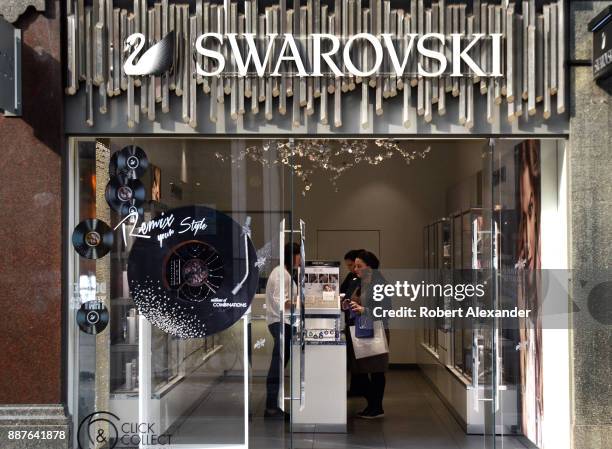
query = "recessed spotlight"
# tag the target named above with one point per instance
(197, 184)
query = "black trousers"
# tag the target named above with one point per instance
(274, 375)
(375, 390)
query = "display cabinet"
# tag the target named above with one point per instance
(437, 265)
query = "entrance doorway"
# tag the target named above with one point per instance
(438, 210)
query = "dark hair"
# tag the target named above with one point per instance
(291, 249)
(369, 259)
(352, 254)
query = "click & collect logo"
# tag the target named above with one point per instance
(105, 429)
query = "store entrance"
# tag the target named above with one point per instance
(288, 219)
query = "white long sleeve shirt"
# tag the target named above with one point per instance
(273, 295)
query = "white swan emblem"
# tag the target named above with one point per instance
(155, 61)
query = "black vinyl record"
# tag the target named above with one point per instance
(92, 317)
(121, 191)
(131, 160)
(92, 238)
(196, 274)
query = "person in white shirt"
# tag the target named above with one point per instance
(274, 302)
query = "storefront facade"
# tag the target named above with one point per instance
(240, 146)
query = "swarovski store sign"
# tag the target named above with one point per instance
(317, 66)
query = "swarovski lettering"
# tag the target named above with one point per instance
(244, 56)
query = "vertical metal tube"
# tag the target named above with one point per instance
(171, 28)
(213, 105)
(81, 57)
(89, 107)
(206, 29)
(427, 113)
(401, 41)
(151, 82)
(110, 50)
(116, 53)
(72, 68)
(309, 58)
(289, 77)
(420, 81)
(561, 57)
(221, 22)
(484, 28)
(323, 109)
(233, 20)
(554, 39)
(131, 106)
(455, 27)
(510, 49)
(525, 57)
(199, 10)
(539, 67)
(462, 80)
(269, 82)
(242, 79)
(193, 81)
(364, 116)
(531, 78)
(546, 74)
(413, 55)
(518, 71)
(156, 38)
(435, 66)
(469, 84)
(165, 79)
(443, 78)
(122, 55)
(497, 81)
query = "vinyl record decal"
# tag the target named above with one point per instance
(195, 275)
(130, 162)
(92, 238)
(121, 191)
(92, 317)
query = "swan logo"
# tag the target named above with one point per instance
(156, 60)
(603, 41)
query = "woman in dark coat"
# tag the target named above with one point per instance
(362, 303)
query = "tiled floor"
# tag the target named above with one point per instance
(415, 419)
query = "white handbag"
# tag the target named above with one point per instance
(369, 347)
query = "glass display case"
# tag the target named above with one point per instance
(468, 348)
(437, 264)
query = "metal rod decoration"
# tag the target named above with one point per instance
(165, 78)
(561, 57)
(151, 82)
(546, 89)
(427, 113)
(497, 82)
(462, 81)
(89, 102)
(531, 78)
(435, 66)
(552, 33)
(193, 81)
(532, 57)
(510, 49)
(365, 88)
(110, 50)
(72, 75)
(520, 43)
(323, 113)
(484, 28)
(539, 58)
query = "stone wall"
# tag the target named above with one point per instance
(31, 240)
(590, 180)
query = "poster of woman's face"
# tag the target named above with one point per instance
(528, 264)
(155, 183)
